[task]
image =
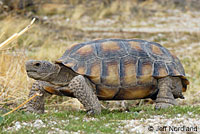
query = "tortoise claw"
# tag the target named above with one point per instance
(162, 106)
(92, 112)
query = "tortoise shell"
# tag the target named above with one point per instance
(123, 68)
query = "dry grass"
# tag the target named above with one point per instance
(13, 80)
(106, 9)
(14, 83)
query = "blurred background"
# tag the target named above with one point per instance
(172, 23)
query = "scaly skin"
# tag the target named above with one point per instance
(36, 105)
(177, 87)
(84, 93)
(165, 97)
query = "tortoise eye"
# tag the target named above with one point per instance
(37, 64)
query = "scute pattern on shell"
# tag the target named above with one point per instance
(122, 62)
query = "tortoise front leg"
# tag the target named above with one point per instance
(84, 93)
(165, 97)
(36, 105)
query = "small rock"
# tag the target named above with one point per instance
(38, 124)
(17, 125)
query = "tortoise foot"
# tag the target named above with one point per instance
(162, 103)
(162, 106)
(92, 112)
(31, 110)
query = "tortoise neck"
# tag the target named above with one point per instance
(62, 76)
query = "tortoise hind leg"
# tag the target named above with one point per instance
(177, 88)
(36, 105)
(165, 96)
(84, 93)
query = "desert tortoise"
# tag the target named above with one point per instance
(110, 69)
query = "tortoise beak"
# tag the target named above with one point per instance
(32, 69)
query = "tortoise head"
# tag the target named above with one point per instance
(41, 70)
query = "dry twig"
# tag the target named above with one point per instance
(16, 35)
(32, 97)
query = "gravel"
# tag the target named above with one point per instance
(154, 125)
(160, 124)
